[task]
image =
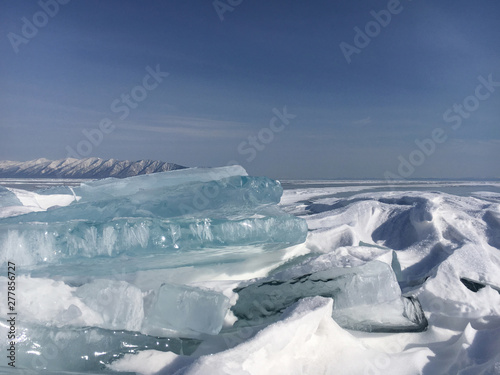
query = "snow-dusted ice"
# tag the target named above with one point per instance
(344, 277)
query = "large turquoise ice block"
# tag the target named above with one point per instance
(154, 214)
(51, 243)
(114, 187)
(222, 197)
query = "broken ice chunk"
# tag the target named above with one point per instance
(46, 350)
(8, 198)
(366, 298)
(113, 187)
(185, 310)
(118, 302)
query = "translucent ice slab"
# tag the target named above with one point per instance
(167, 311)
(82, 349)
(366, 298)
(187, 310)
(231, 195)
(8, 198)
(32, 243)
(153, 214)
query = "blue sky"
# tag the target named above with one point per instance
(228, 78)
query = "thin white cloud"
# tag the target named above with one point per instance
(190, 126)
(363, 121)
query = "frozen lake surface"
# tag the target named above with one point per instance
(215, 272)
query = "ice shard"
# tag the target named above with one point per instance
(167, 311)
(366, 298)
(85, 349)
(8, 198)
(118, 303)
(187, 310)
(98, 202)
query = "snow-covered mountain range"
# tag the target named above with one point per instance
(82, 168)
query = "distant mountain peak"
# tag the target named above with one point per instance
(82, 168)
